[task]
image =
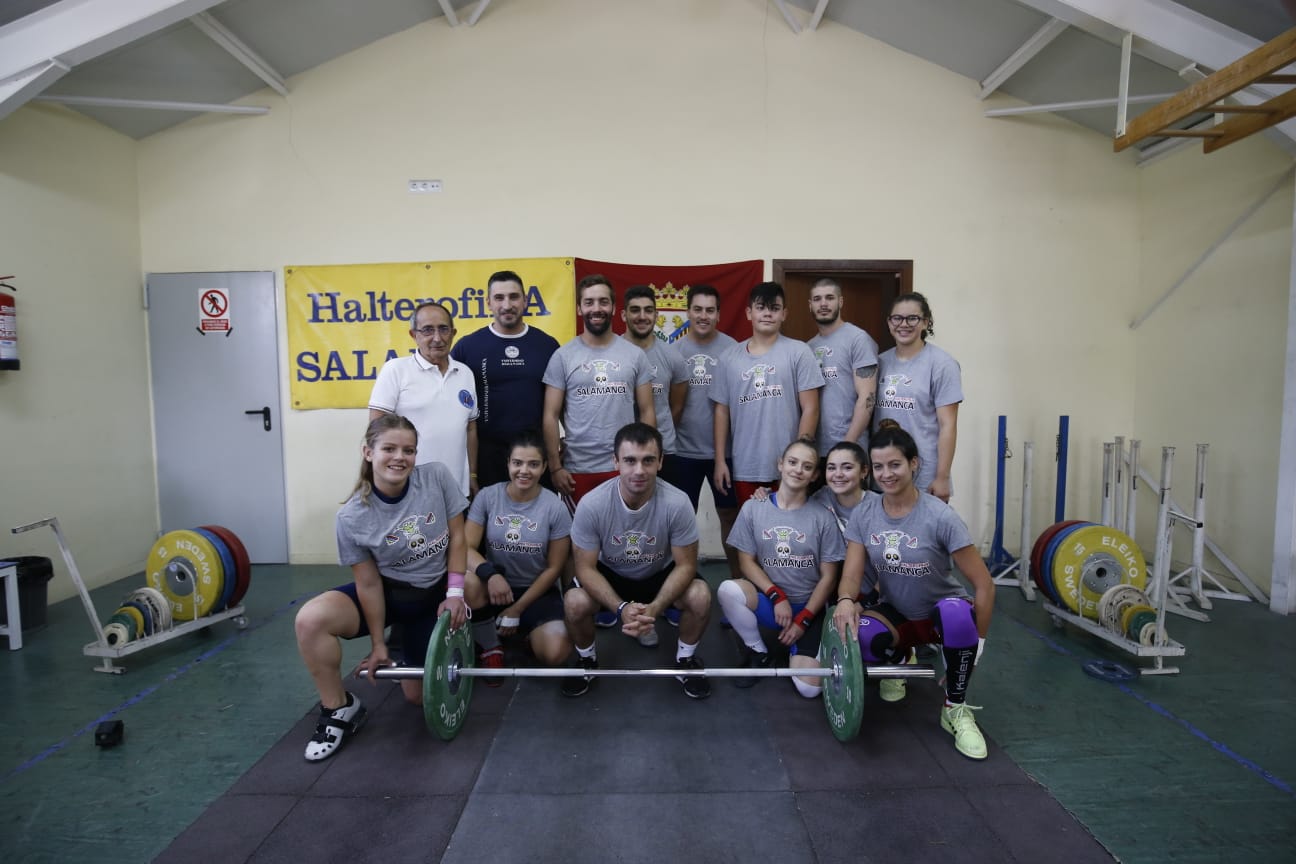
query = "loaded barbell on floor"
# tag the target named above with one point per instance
(448, 674)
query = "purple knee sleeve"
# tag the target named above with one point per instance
(957, 625)
(875, 640)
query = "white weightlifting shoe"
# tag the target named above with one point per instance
(334, 728)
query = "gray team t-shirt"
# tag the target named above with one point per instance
(764, 410)
(635, 544)
(910, 556)
(788, 544)
(825, 497)
(695, 434)
(600, 398)
(841, 354)
(516, 534)
(910, 391)
(666, 367)
(408, 539)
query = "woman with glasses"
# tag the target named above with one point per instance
(920, 387)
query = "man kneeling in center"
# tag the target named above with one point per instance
(635, 543)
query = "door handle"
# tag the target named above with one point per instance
(265, 416)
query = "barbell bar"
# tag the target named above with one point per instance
(448, 676)
(455, 671)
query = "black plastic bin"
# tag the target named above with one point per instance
(34, 574)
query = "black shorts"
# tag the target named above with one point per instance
(547, 607)
(636, 590)
(688, 475)
(414, 609)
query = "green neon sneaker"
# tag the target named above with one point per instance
(958, 721)
(893, 689)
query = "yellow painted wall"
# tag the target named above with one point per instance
(74, 420)
(1209, 360)
(661, 132)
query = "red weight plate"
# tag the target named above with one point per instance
(1037, 553)
(242, 562)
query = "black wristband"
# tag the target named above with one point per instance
(485, 570)
(624, 603)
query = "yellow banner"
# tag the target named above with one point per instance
(345, 321)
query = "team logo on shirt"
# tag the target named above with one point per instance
(410, 531)
(892, 561)
(512, 352)
(829, 372)
(513, 541)
(784, 536)
(636, 551)
(657, 387)
(603, 385)
(891, 385)
(700, 377)
(759, 375)
(466, 399)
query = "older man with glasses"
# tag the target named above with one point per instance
(436, 393)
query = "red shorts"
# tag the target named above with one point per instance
(743, 490)
(585, 483)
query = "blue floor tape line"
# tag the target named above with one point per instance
(148, 691)
(1270, 778)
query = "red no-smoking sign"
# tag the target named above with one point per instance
(213, 310)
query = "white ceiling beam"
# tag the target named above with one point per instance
(74, 31)
(19, 90)
(257, 65)
(1166, 33)
(818, 15)
(787, 16)
(448, 11)
(477, 12)
(153, 104)
(1023, 55)
(1080, 105)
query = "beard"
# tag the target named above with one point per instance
(597, 328)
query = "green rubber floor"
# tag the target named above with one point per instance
(1197, 766)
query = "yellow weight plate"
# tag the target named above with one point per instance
(135, 615)
(1127, 615)
(1091, 560)
(187, 569)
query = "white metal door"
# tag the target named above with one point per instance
(214, 356)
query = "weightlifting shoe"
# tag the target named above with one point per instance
(893, 689)
(579, 685)
(672, 616)
(648, 638)
(695, 687)
(334, 728)
(958, 721)
(751, 659)
(493, 659)
(605, 618)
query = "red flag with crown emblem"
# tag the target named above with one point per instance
(732, 282)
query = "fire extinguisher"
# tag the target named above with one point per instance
(8, 328)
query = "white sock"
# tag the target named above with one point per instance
(683, 649)
(587, 652)
(743, 620)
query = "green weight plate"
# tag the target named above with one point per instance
(134, 616)
(228, 567)
(186, 568)
(843, 695)
(146, 615)
(1092, 559)
(1128, 612)
(446, 698)
(1138, 621)
(243, 564)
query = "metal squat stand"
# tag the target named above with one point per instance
(1001, 564)
(100, 647)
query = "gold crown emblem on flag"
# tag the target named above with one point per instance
(672, 308)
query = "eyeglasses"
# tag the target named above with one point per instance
(439, 329)
(904, 319)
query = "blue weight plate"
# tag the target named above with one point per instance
(1109, 670)
(1046, 561)
(227, 564)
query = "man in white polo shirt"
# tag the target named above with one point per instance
(436, 393)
